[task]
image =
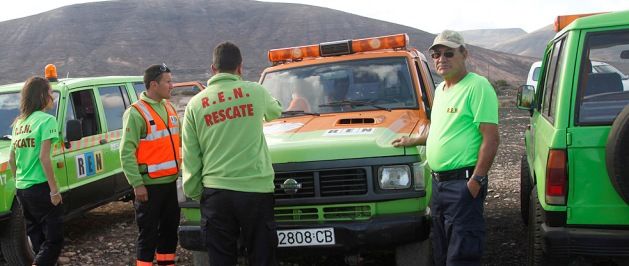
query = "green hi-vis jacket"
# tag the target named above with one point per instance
(223, 143)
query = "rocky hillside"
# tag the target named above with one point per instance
(123, 37)
(488, 38)
(532, 44)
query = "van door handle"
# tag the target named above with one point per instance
(103, 141)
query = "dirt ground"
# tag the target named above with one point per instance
(106, 235)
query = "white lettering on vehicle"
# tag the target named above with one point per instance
(349, 131)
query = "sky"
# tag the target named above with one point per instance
(431, 16)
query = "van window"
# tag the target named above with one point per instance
(85, 110)
(552, 79)
(603, 81)
(536, 73)
(139, 88)
(114, 105)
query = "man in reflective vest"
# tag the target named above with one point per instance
(150, 158)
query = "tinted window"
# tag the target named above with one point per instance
(113, 105)
(139, 88)
(326, 88)
(85, 110)
(603, 80)
(10, 109)
(551, 80)
(536, 73)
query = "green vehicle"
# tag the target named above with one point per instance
(340, 186)
(85, 160)
(575, 171)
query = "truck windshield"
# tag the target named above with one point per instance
(360, 85)
(603, 86)
(10, 108)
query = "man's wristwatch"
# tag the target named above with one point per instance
(482, 180)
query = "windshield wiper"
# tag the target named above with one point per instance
(354, 103)
(5, 137)
(298, 112)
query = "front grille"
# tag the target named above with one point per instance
(343, 182)
(328, 183)
(328, 213)
(306, 179)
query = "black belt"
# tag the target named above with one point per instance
(456, 174)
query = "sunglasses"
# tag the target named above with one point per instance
(162, 69)
(436, 55)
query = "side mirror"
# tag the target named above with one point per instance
(74, 131)
(525, 97)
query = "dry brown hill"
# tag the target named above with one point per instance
(123, 37)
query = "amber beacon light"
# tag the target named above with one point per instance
(51, 72)
(397, 41)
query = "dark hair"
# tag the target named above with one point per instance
(154, 73)
(35, 96)
(227, 57)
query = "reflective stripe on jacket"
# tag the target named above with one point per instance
(160, 149)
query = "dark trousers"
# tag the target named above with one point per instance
(158, 220)
(229, 215)
(44, 223)
(458, 226)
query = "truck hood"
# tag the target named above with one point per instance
(341, 136)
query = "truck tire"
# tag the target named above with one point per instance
(525, 189)
(15, 245)
(416, 253)
(617, 154)
(536, 254)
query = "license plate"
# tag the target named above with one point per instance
(306, 237)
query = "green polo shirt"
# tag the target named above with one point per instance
(223, 143)
(454, 138)
(28, 134)
(134, 127)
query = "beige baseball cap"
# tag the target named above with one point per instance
(448, 38)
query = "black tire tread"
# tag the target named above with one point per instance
(13, 240)
(525, 189)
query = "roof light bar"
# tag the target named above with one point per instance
(563, 21)
(398, 41)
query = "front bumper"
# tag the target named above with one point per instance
(385, 232)
(562, 242)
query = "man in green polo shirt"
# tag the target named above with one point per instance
(460, 148)
(226, 162)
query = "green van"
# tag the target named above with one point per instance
(85, 159)
(575, 171)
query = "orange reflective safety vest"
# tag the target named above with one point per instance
(160, 149)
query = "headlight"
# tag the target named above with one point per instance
(394, 177)
(418, 175)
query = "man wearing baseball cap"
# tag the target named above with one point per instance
(460, 148)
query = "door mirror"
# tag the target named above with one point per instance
(74, 130)
(525, 98)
